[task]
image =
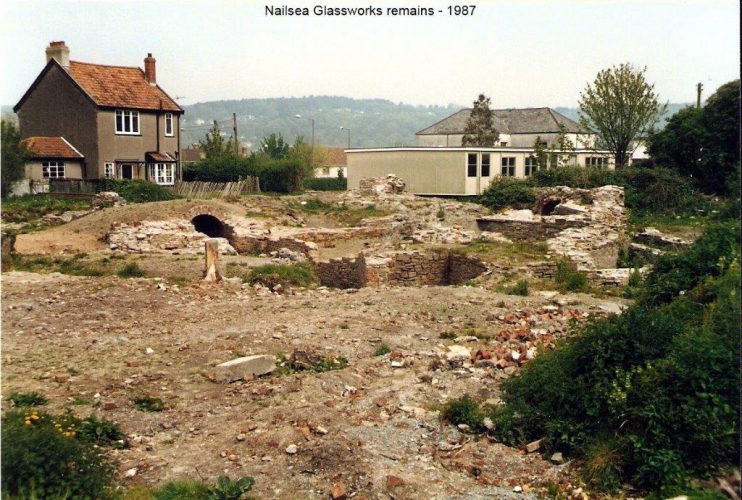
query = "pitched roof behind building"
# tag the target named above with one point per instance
(120, 87)
(51, 147)
(337, 157)
(508, 121)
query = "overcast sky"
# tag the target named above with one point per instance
(521, 53)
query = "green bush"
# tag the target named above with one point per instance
(45, 457)
(506, 192)
(650, 396)
(276, 175)
(464, 411)
(225, 488)
(569, 278)
(272, 275)
(137, 190)
(131, 270)
(520, 288)
(382, 350)
(326, 184)
(26, 399)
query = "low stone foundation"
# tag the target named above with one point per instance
(400, 268)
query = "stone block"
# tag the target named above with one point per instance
(238, 369)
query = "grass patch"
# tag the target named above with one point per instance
(382, 350)
(516, 252)
(148, 403)
(225, 488)
(568, 278)
(273, 275)
(44, 264)
(520, 288)
(285, 366)
(31, 207)
(342, 214)
(27, 399)
(131, 270)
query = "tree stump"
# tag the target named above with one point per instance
(212, 271)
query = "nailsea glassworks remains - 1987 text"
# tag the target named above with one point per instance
(323, 10)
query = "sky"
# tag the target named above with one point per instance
(520, 53)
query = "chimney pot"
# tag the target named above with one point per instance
(59, 52)
(150, 71)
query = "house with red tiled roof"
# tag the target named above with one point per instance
(118, 121)
(336, 163)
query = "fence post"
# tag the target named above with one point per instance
(212, 271)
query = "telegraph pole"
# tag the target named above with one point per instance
(236, 139)
(699, 88)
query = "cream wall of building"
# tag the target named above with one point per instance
(72, 170)
(324, 172)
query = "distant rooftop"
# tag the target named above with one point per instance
(508, 121)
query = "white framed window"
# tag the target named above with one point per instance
(169, 130)
(108, 169)
(531, 165)
(471, 165)
(52, 169)
(507, 164)
(485, 164)
(127, 122)
(596, 161)
(162, 173)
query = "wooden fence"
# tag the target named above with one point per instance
(200, 189)
(74, 186)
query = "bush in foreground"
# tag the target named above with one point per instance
(137, 190)
(650, 396)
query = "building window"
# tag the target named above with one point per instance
(108, 170)
(596, 161)
(485, 165)
(169, 124)
(162, 173)
(471, 165)
(503, 144)
(52, 169)
(531, 165)
(508, 166)
(127, 122)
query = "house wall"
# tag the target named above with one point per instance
(57, 107)
(132, 147)
(425, 172)
(513, 140)
(72, 170)
(332, 172)
(441, 171)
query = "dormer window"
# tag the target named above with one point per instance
(127, 122)
(169, 124)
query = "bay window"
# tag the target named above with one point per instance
(162, 173)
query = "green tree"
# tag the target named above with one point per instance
(214, 145)
(14, 155)
(480, 126)
(565, 148)
(540, 152)
(704, 143)
(274, 146)
(620, 106)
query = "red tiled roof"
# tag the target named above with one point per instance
(119, 87)
(336, 157)
(163, 157)
(51, 147)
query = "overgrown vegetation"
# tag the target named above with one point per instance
(382, 350)
(26, 399)
(14, 155)
(29, 208)
(341, 213)
(289, 366)
(568, 278)
(520, 288)
(43, 264)
(326, 184)
(649, 397)
(137, 190)
(655, 191)
(225, 488)
(62, 456)
(131, 270)
(148, 403)
(273, 275)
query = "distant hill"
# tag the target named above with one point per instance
(372, 122)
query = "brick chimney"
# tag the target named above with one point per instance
(59, 52)
(150, 73)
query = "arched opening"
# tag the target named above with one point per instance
(209, 225)
(549, 206)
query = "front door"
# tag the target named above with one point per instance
(126, 171)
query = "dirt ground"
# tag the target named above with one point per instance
(84, 342)
(95, 343)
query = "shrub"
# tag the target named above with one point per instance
(651, 396)
(44, 457)
(131, 270)
(26, 399)
(148, 403)
(382, 350)
(464, 411)
(569, 278)
(272, 275)
(137, 190)
(275, 175)
(101, 431)
(506, 192)
(326, 184)
(224, 489)
(520, 288)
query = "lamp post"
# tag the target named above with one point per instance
(311, 150)
(345, 128)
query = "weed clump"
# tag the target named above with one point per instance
(27, 399)
(382, 350)
(520, 288)
(568, 278)
(280, 276)
(148, 403)
(131, 270)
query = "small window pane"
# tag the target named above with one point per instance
(135, 122)
(471, 162)
(485, 165)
